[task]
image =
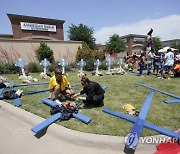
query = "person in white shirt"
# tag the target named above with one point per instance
(169, 62)
(150, 57)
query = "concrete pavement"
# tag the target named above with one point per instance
(16, 137)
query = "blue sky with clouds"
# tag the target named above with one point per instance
(106, 17)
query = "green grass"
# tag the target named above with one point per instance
(121, 90)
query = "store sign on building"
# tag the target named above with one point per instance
(138, 39)
(38, 27)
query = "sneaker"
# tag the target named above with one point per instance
(58, 102)
(19, 92)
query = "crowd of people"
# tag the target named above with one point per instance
(155, 62)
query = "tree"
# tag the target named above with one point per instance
(157, 44)
(89, 56)
(176, 44)
(44, 51)
(82, 33)
(115, 45)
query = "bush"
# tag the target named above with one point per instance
(103, 66)
(34, 67)
(90, 64)
(89, 55)
(44, 51)
(8, 68)
(71, 67)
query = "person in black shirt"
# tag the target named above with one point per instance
(94, 92)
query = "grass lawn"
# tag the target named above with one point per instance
(121, 90)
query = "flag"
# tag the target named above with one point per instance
(150, 32)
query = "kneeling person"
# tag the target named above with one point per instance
(94, 92)
(59, 84)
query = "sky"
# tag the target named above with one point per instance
(105, 17)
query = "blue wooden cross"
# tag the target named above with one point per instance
(97, 64)
(172, 101)
(177, 98)
(1, 90)
(138, 126)
(151, 126)
(11, 84)
(63, 63)
(109, 62)
(81, 63)
(45, 63)
(43, 125)
(29, 84)
(120, 63)
(139, 123)
(44, 90)
(17, 101)
(21, 63)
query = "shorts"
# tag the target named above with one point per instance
(166, 67)
(157, 64)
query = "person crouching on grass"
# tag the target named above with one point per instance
(94, 92)
(59, 84)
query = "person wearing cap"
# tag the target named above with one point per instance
(169, 62)
(59, 84)
(94, 92)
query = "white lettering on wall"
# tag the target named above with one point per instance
(38, 27)
(136, 39)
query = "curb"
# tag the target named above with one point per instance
(104, 142)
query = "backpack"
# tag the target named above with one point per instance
(67, 113)
(2, 85)
(11, 94)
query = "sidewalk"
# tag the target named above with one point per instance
(16, 137)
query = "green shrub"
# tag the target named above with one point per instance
(44, 51)
(8, 68)
(89, 56)
(33, 67)
(103, 65)
(90, 64)
(71, 67)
